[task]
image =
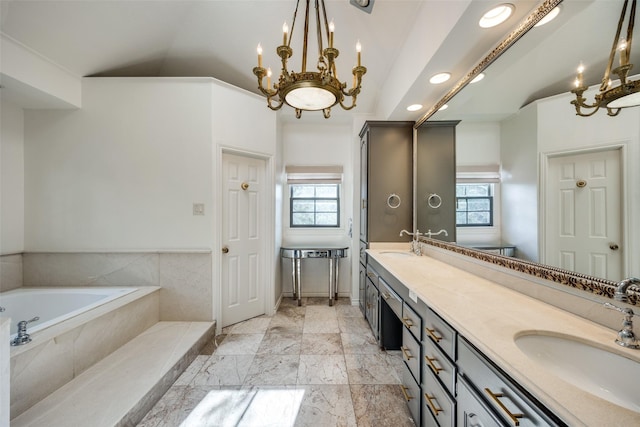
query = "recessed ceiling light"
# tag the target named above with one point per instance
(444, 107)
(477, 78)
(549, 17)
(414, 107)
(439, 78)
(496, 16)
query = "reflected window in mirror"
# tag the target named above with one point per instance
(474, 205)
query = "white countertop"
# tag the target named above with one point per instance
(490, 316)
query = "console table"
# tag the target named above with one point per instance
(297, 253)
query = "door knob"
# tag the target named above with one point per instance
(613, 246)
(225, 250)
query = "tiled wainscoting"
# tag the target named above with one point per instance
(185, 277)
(10, 272)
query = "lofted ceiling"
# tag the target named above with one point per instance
(404, 42)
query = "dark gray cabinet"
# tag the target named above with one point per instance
(436, 178)
(386, 181)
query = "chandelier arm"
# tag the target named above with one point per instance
(611, 113)
(349, 107)
(277, 106)
(607, 72)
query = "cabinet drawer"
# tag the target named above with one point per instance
(437, 403)
(390, 297)
(437, 365)
(363, 253)
(411, 353)
(412, 321)
(411, 392)
(439, 332)
(372, 275)
(498, 392)
(471, 410)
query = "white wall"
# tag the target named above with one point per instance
(561, 130)
(478, 144)
(11, 178)
(122, 172)
(320, 144)
(519, 181)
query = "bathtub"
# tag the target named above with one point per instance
(53, 305)
(78, 327)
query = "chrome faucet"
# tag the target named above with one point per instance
(23, 337)
(430, 234)
(626, 337)
(415, 244)
(623, 286)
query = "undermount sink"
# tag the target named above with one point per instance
(593, 369)
(399, 254)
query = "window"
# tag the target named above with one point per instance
(314, 196)
(314, 205)
(474, 205)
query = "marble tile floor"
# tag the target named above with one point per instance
(313, 365)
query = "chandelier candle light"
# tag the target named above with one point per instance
(310, 90)
(613, 98)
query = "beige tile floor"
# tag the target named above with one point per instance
(313, 365)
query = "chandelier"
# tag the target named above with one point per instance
(613, 98)
(310, 90)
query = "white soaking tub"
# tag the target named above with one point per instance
(78, 327)
(53, 305)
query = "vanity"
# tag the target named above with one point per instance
(473, 350)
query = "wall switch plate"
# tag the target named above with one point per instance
(413, 296)
(198, 208)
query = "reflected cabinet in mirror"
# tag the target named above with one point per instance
(565, 189)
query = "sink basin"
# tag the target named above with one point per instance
(594, 369)
(397, 254)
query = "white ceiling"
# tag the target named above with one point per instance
(404, 41)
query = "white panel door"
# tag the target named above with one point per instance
(583, 214)
(243, 227)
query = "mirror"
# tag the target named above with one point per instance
(507, 120)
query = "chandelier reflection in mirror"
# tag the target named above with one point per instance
(626, 93)
(310, 90)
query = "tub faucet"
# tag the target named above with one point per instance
(23, 337)
(623, 286)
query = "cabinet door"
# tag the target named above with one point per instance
(362, 281)
(364, 152)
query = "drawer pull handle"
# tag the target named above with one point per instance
(512, 416)
(432, 365)
(432, 406)
(432, 334)
(371, 275)
(386, 296)
(407, 322)
(404, 391)
(406, 353)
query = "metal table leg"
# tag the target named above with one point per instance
(331, 270)
(298, 282)
(335, 277)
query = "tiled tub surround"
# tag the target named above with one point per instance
(312, 365)
(62, 351)
(10, 272)
(4, 372)
(491, 316)
(185, 277)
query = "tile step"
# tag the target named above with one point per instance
(121, 388)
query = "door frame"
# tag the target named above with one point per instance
(622, 147)
(268, 243)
